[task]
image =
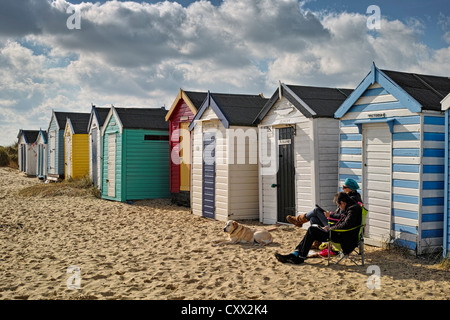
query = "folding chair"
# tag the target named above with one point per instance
(359, 248)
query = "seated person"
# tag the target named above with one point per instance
(351, 217)
(320, 217)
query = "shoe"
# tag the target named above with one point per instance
(297, 221)
(289, 258)
(316, 244)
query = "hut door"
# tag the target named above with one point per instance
(285, 174)
(24, 157)
(94, 156)
(52, 151)
(40, 171)
(68, 160)
(185, 156)
(111, 165)
(209, 174)
(377, 181)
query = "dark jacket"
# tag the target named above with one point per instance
(351, 217)
(355, 196)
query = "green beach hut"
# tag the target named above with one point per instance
(135, 154)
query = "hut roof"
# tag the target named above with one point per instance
(143, 118)
(29, 135)
(79, 122)
(312, 102)
(196, 98)
(428, 90)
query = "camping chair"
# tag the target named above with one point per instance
(359, 248)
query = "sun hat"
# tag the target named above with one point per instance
(352, 184)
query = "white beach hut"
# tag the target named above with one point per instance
(27, 151)
(298, 147)
(96, 120)
(224, 173)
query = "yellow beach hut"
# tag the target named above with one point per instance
(76, 146)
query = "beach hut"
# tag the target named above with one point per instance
(41, 146)
(76, 146)
(298, 147)
(27, 151)
(225, 157)
(95, 125)
(445, 106)
(180, 115)
(392, 141)
(55, 153)
(135, 154)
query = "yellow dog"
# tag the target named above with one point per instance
(239, 233)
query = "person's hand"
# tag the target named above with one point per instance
(327, 214)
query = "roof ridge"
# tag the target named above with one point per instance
(428, 85)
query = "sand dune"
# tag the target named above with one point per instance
(155, 250)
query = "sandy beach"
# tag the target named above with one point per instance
(155, 250)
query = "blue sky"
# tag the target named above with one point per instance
(139, 54)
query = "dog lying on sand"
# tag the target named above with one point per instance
(240, 233)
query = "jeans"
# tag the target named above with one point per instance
(316, 216)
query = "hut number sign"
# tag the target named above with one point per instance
(283, 142)
(377, 115)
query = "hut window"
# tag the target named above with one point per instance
(149, 137)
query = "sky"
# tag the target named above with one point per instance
(140, 53)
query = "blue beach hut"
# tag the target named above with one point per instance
(445, 107)
(392, 141)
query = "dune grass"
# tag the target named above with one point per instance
(70, 187)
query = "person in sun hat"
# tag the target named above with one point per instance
(320, 217)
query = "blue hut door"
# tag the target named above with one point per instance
(40, 171)
(94, 156)
(377, 181)
(111, 165)
(209, 174)
(285, 174)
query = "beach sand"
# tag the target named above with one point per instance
(155, 250)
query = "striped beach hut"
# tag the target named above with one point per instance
(392, 141)
(298, 151)
(180, 115)
(27, 151)
(445, 106)
(135, 154)
(76, 146)
(225, 157)
(95, 125)
(41, 146)
(55, 150)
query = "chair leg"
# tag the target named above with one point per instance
(361, 250)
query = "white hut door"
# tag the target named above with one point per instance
(94, 156)
(377, 170)
(112, 165)
(52, 151)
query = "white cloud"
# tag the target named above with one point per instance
(140, 54)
